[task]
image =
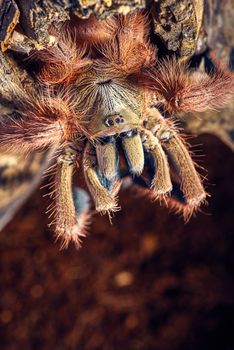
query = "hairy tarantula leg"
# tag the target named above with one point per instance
(103, 191)
(69, 225)
(107, 157)
(133, 150)
(186, 91)
(161, 183)
(191, 182)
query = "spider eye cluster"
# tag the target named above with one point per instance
(114, 120)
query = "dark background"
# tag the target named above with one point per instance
(147, 282)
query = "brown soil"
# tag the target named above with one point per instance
(148, 282)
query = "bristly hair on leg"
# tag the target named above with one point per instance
(185, 91)
(188, 192)
(42, 121)
(63, 62)
(93, 31)
(69, 225)
(130, 50)
(20, 133)
(105, 199)
(185, 210)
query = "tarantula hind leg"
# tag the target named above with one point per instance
(69, 225)
(102, 190)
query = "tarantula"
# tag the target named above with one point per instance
(100, 92)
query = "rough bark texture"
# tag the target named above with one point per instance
(36, 17)
(217, 35)
(177, 23)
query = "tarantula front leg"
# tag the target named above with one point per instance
(191, 183)
(69, 225)
(102, 190)
(173, 145)
(161, 183)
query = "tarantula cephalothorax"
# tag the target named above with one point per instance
(99, 89)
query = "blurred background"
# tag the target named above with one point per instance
(147, 282)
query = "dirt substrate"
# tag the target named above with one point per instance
(148, 282)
